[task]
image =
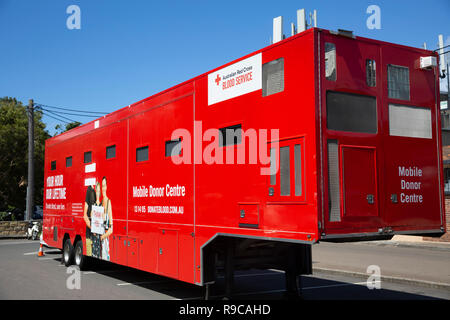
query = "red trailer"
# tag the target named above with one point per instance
(347, 138)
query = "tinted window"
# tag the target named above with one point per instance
(371, 69)
(142, 154)
(398, 82)
(273, 167)
(110, 152)
(351, 112)
(88, 157)
(273, 77)
(68, 162)
(334, 203)
(173, 148)
(330, 61)
(285, 172)
(298, 169)
(230, 135)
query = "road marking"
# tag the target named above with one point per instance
(340, 285)
(36, 252)
(284, 290)
(30, 253)
(162, 281)
(23, 242)
(104, 271)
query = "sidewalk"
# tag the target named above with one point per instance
(411, 241)
(419, 262)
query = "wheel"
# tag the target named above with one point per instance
(34, 235)
(67, 254)
(79, 257)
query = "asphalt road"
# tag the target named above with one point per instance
(23, 275)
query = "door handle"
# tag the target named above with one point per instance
(370, 199)
(394, 198)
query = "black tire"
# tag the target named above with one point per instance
(79, 258)
(67, 254)
(34, 236)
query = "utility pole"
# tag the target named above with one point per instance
(30, 187)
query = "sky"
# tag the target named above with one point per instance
(126, 51)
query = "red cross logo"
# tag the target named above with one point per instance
(217, 79)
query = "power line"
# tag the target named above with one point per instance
(69, 109)
(69, 113)
(442, 48)
(55, 115)
(47, 115)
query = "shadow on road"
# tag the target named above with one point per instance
(252, 284)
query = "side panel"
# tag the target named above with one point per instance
(168, 244)
(359, 183)
(223, 190)
(374, 97)
(160, 191)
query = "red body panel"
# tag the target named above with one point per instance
(193, 203)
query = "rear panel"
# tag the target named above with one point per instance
(380, 139)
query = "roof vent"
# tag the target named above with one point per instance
(344, 33)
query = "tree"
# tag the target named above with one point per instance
(71, 125)
(14, 154)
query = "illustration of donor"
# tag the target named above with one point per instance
(99, 222)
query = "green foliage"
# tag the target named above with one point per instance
(14, 154)
(59, 129)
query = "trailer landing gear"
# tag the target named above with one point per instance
(293, 286)
(228, 254)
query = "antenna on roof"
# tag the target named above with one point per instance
(302, 24)
(277, 29)
(301, 20)
(441, 52)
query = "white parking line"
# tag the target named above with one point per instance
(283, 290)
(104, 271)
(162, 281)
(30, 253)
(17, 242)
(339, 285)
(36, 252)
